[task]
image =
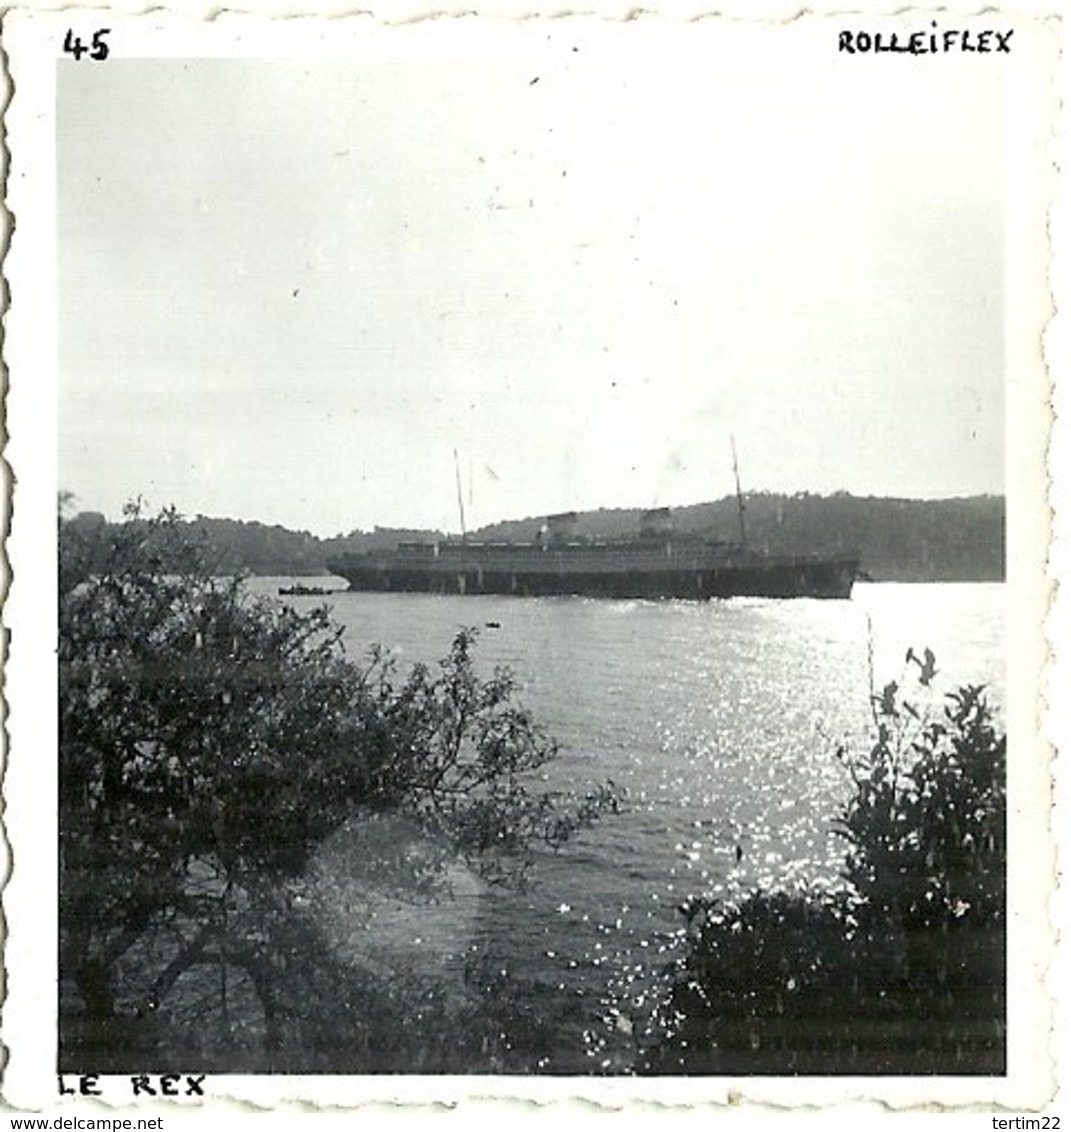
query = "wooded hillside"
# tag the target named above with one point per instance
(898, 539)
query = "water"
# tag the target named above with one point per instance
(719, 720)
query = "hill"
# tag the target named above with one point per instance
(907, 540)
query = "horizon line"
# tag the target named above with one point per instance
(579, 511)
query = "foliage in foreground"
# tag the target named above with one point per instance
(901, 971)
(209, 744)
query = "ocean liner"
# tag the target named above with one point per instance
(654, 563)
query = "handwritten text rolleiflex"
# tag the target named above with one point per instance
(935, 41)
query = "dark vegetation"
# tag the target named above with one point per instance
(903, 969)
(899, 539)
(210, 744)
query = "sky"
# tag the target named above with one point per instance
(290, 290)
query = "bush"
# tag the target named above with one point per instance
(209, 744)
(926, 824)
(900, 971)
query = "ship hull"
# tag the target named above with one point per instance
(583, 574)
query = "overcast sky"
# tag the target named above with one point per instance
(288, 291)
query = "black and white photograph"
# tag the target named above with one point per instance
(542, 542)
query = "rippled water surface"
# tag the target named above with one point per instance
(719, 720)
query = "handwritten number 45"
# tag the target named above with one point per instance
(96, 49)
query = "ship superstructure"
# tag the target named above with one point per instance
(654, 563)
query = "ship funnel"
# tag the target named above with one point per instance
(562, 527)
(656, 523)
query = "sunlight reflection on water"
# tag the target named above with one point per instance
(720, 721)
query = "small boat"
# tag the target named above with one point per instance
(298, 590)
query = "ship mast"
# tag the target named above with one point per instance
(460, 497)
(739, 494)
